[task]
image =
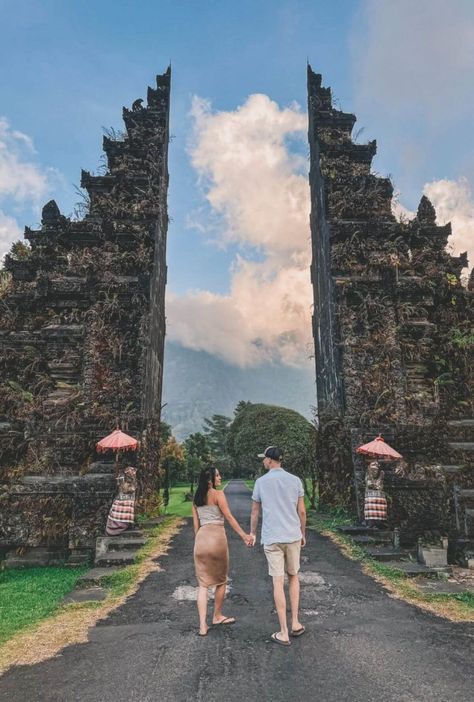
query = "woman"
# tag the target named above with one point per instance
(211, 553)
(375, 506)
(122, 513)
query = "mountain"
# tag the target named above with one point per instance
(198, 385)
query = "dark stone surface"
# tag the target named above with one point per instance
(81, 342)
(95, 575)
(389, 305)
(360, 645)
(443, 587)
(89, 594)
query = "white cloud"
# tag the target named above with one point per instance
(20, 178)
(258, 194)
(454, 203)
(22, 181)
(257, 185)
(9, 232)
(262, 319)
(402, 213)
(413, 65)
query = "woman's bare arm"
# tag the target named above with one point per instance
(225, 509)
(196, 522)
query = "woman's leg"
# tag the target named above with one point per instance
(202, 609)
(219, 597)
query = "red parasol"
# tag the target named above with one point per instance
(117, 441)
(379, 449)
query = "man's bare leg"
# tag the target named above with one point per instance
(280, 604)
(294, 588)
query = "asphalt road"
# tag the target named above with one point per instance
(360, 644)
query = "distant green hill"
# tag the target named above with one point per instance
(198, 385)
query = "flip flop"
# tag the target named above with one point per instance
(199, 633)
(275, 639)
(298, 632)
(227, 620)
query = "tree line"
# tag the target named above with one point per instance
(233, 444)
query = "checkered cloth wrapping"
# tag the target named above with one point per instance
(113, 528)
(375, 505)
(123, 511)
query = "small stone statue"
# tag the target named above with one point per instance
(122, 512)
(375, 505)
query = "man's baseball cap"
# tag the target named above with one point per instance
(272, 452)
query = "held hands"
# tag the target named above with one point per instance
(249, 539)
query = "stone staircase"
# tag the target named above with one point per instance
(456, 462)
(105, 467)
(118, 550)
(112, 552)
(383, 545)
(459, 447)
(461, 438)
(380, 544)
(36, 557)
(66, 371)
(464, 509)
(417, 377)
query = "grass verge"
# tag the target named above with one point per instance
(453, 606)
(30, 594)
(69, 624)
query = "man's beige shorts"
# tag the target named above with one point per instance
(283, 558)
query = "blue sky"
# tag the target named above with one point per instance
(68, 67)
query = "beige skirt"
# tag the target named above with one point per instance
(211, 555)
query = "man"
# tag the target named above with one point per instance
(283, 534)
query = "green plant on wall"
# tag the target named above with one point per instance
(452, 279)
(463, 340)
(19, 251)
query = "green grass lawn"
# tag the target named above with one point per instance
(177, 504)
(30, 594)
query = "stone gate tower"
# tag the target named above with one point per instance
(393, 332)
(81, 345)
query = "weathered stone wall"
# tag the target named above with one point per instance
(81, 342)
(328, 380)
(393, 329)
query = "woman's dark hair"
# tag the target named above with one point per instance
(206, 476)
